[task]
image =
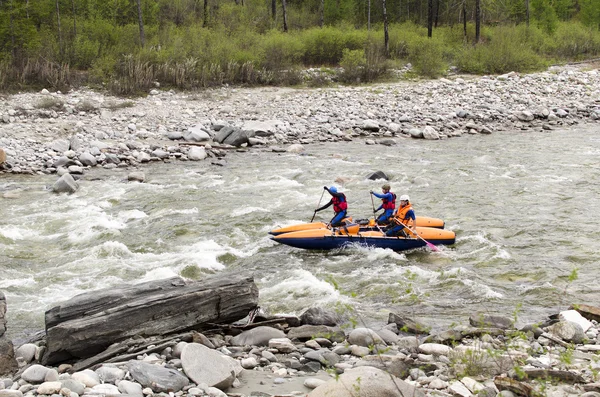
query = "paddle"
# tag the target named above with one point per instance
(318, 205)
(431, 246)
(372, 202)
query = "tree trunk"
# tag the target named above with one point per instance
(464, 14)
(141, 23)
(477, 20)
(205, 8)
(273, 9)
(369, 16)
(437, 13)
(527, 12)
(284, 8)
(322, 12)
(60, 46)
(74, 19)
(89, 323)
(386, 35)
(429, 18)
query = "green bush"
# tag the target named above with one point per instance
(353, 63)
(509, 49)
(426, 57)
(573, 41)
(325, 46)
(280, 51)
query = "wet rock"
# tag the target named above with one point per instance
(489, 321)
(197, 153)
(65, 184)
(406, 324)
(258, 336)
(377, 382)
(320, 316)
(204, 365)
(378, 175)
(137, 176)
(159, 379)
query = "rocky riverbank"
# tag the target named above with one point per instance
(67, 133)
(323, 354)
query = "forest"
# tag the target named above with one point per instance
(129, 46)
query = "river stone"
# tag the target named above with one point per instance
(88, 377)
(313, 383)
(204, 365)
(197, 153)
(108, 374)
(323, 356)
(130, 388)
(261, 128)
(305, 332)
(364, 337)
(49, 388)
(159, 379)
(136, 176)
(60, 145)
(105, 389)
(222, 134)
(196, 133)
(283, 345)
(65, 184)
(35, 373)
(10, 393)
(488, 321)
(567, 331)
(320, 316)
(237, 138)
(430, 133)
(258, 336)
(2, 156)
(26, 352)
(575, 317)
(73, 385)
(415, 133)
(378, 175)
(86, 158)
(406, 324)
(371, 382)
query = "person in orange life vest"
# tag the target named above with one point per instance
(388, 204)
(405, 218)
(340, 205)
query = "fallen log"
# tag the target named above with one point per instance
(89, 323)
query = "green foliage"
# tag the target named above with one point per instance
(590, 13)
(508, 49)
(545, 15)
(280, 51)
(353, 62)
(50, 102)
(426, 56)
(326, 46)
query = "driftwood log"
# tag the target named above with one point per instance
(89, 323)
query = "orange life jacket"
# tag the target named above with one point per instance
(401, 214)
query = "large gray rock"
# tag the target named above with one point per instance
(130, 388)
(223, 133)
(406, 324)
(306, 332)
(196, 153)
(364, 337)
(568, 331)
(65, 184)
(366, 382)
(60, 145)
(159, 379)
(196, 133)
(484, 320)
(86, 158)
(320, 316)
(236, 138)
(35, 373)
(8, 363)
(258, 336)
(261, 128)
(204, 365)
(88, 323)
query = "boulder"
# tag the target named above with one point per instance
(197, 153)
(261, 128)
(320, 316)
(484, 320)
(159, 379)
(204, 365)
(306, 332)
(406, 324)
(65, 184)
(370, 381)
(378, 175)
(364, 337)
(222, 134)
(236, 138)
(86, 158)
(258, 336)
(89, 323)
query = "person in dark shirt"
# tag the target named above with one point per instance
(340, 206)
(388, 204)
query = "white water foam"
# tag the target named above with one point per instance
(481, 290)
(246, 210)
(17, 233)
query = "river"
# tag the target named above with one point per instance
(523, 206)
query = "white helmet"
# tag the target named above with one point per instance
(404, 197)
